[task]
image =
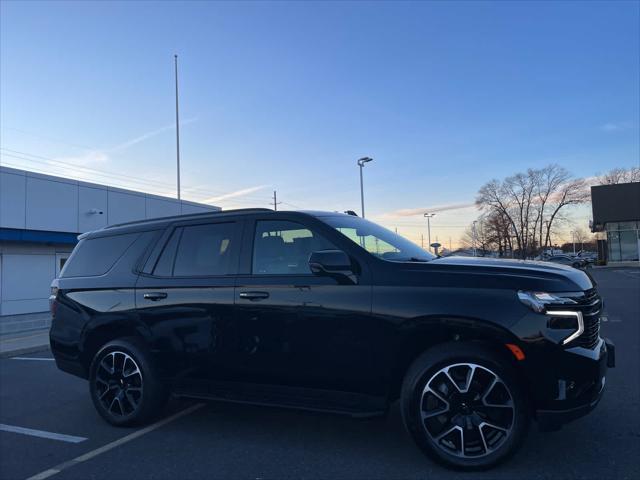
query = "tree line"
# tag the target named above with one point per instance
(520, 212)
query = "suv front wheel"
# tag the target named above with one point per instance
(124, 386)
(463, 406)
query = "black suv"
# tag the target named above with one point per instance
(330, 312)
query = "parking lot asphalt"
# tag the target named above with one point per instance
(214, 440)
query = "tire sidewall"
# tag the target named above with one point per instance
(431, 362)
(150, 383)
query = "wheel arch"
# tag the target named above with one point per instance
(96, 336)
(422, 334)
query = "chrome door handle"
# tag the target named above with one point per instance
(153, 296)
(254, 295)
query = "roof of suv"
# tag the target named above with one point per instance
(160, 222)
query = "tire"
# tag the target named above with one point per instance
(450, 388)
(576, 265)
(124, 385)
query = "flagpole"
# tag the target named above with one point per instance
(175, 58)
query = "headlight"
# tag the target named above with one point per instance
(538, 301)
(560, 319)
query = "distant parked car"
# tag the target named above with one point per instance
(575, 262)
(589, 257)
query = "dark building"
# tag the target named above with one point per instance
(616, 212)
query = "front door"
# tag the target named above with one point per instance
(298, 329)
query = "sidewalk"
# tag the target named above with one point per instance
(25, 322)
(26, 342)
(24, 333)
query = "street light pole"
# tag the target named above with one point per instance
(573, 239)
(428, 217)
(474, 238)
(361, 163)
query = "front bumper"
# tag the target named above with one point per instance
(588, 398)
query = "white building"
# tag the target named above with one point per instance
(40, 219)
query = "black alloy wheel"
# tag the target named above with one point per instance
(467, 410)
(463, 405)
(124, 384)
(119, 384)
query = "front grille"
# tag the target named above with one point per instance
(590, 304)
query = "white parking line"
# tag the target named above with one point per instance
(116, 443)
(34, 359)
(41, 433)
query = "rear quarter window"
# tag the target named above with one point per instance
(95, 256)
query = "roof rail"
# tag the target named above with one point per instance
(190, 215)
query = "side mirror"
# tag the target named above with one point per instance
(332, 263)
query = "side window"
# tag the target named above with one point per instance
(164, 267)
(197, 250)
(95, 256)
(282, 247)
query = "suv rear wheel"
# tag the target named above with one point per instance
(463, 406)
(124, 386)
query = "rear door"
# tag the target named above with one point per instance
(185, 296)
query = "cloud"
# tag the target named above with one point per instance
(410, 212)
(614, 127)
(93, 157)
(90, 158)
(147, 135)
(237, 193)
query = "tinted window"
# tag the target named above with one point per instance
(282, 247)
(164, 267)
(204, 250)
(95, 256)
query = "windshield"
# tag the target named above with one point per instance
(377, 240)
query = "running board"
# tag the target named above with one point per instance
(341, 403)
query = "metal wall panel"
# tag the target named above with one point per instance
(125, 207)
(51, 205)
(92, 201)
(157, 207)
(12, 200)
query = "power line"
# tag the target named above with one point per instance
(120, 177)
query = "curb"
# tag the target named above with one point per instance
(22, 351)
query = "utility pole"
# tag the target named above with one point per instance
(275, 201)
(175, 62)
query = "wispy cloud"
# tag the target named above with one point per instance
(614, 127)
(148, 135)
(236, 194)
(101, 156)
(410, 212)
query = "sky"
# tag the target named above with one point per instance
(286, 96)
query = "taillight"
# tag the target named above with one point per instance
(53, 301)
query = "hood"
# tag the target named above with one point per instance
(505, 273)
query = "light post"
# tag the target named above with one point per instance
(473, 236)
(361, 163)
(428, 217)
(573, 239)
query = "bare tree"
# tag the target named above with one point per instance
(620, 175)
(530, 203)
